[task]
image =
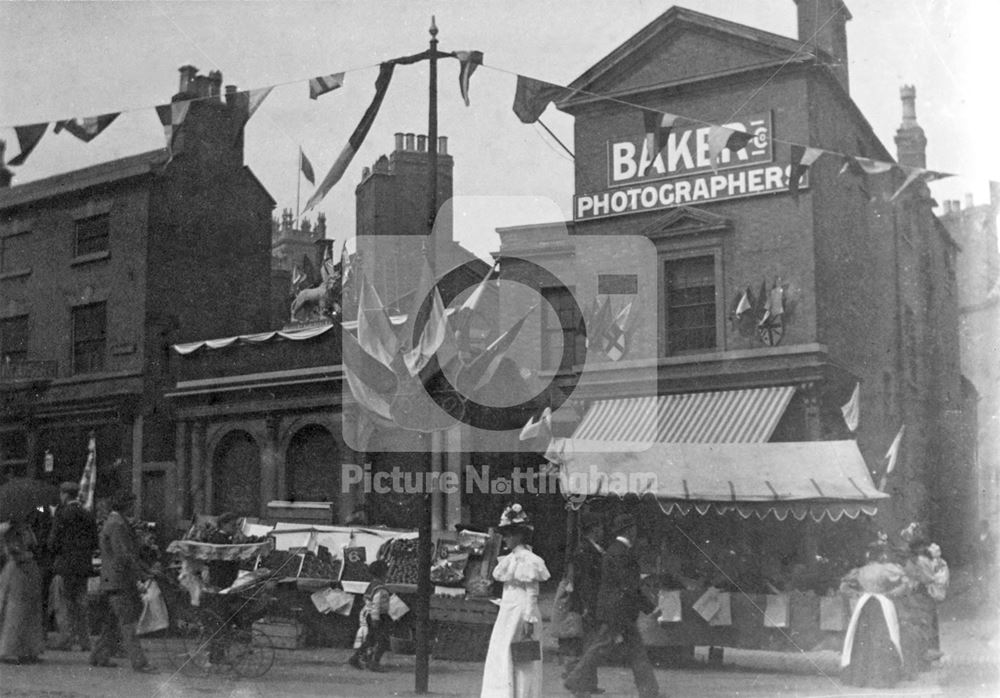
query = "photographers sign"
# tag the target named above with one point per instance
(681, 172)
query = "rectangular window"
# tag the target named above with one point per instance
(89, 338)
(92, 235)
(560, 326)
(14, 253)
(14, 339)
(689, 287)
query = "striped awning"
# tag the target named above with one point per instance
(725, 416)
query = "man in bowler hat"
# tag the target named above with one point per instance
(619, 601)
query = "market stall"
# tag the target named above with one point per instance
(780, 485)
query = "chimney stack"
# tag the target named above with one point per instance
(421, 143)
(399, 141)
(823, 25)
(442, 145)
(187, 78)
(911, 143)
(409, 142)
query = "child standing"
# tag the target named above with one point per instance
(375, 618)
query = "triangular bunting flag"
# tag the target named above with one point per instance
(468, 61)
(658, 126)
(802, 158)
(538, 427)
(27, 137)
(533, 97)
(87, 128)
(744, 303)
(912, 176)
(171, 117)
(852, 410)
(720, 137)
(325, 83)
(88, 481)
(892, 456)
(255, 98)
(306, 168)
(356, 139)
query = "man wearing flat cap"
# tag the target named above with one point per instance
(72, 542)
(618, 604)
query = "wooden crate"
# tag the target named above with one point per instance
(470, 611)
(283, 633)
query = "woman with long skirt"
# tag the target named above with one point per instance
(22, 635)
(521, 571)
(872, 654)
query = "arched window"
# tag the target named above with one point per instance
(313, 465)
(236, 475)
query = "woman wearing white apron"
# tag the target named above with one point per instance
(519, 618)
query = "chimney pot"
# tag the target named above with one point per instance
(421, 143)
(187, 77)
(409, 141)
(969, 201)
(956, 206)
(399, 141)
(443, 145)
(823, 24)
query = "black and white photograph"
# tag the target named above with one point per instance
(500, 349)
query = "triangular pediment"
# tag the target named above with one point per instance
(682, 45)
(685, 220)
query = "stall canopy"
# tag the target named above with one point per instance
(815, 478)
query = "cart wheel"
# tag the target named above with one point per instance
(205, 640)
(250, 653)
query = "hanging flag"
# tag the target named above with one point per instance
(720, 137)
(913, 175)
(462, 319)
(171, 117)
(480, 371)
(306, 167)
(328, 268)
(325, 83)
(88, 481)
(892, 456)
(538, 427)
(613, 337)
(375, 333)
(27, 137)
(372, 383)
(468, 61)
(852, 410)
(255, 98)
(744, 303)
(600, 318)
(356, 139)
(658, 126)
(433, 336)
(802, 158)
(775, 305)
(87, 128)
(345, 265)
(533, 97)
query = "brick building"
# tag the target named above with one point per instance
(103, 268)
(869, 286)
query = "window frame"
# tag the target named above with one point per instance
(83, 220)
(3, 335)
(5, 271)
(76, 341)
(666, 258)
(569, 333)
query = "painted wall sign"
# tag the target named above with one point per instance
(681, 173)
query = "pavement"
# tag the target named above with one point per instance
(969, 669)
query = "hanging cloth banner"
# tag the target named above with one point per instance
(468, 61)
(87, 128)
(307, 168)
(356, 139)
(27, 137)
(533, 97)
(322, 84)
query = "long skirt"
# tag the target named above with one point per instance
(22, 634)
(916, 617)
(501, 677)
(875, 660)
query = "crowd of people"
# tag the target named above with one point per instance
(48, 568)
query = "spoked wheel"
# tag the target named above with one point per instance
(249, 652)
(202, 639)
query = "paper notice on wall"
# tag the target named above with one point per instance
(707, 604)
(776, 611)
(333, 601)
(397, 607)
(669, 606)
(724, 616)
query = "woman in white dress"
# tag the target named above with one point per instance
(519, 618)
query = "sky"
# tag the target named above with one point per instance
(68, 59)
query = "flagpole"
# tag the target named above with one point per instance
(298, 186)
(424, 542)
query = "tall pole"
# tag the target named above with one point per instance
(423, 625)
(298, 185)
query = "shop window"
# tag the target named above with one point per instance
(14, 339)
(689, 288)
(89, 337)
(560, 328)
(14, 254)
(92, 234)
(313, 465)
(236, 475)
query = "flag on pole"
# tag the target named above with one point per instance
(372, 384)
(614, 344)
(356, 139)
(775, 305)
(87, 128)
(852, 410)
(306, 167)
(171, 117)
(600, 318)
(538, 427)
(720, 137)
(480, 371)
(658, 126)
(533, 97)
(802, 159)
(462, 319)
(88, 481)
(892, 456)
(27, 137)
(744, 304)
(322, 84)
(913, 175)
(468, 61)
(433, 336)
(375, 333)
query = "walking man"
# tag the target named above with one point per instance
(121, 571)
(586, 575)
(72, 542)
(618, 604)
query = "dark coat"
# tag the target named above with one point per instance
(121, 569)
(621, 597)
(73, 540)
(587, 564)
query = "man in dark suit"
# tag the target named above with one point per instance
(586, 577)
(619, 601)
(72, 542)
(121, 571)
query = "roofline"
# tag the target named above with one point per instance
(246, 168)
